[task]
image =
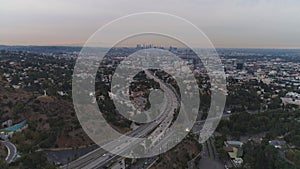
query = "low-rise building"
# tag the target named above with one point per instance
(235, 151)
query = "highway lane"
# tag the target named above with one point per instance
(89, 157)
(11, 151)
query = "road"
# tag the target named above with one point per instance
(12, 151)
(209, 155)
(210, 164)
(98, 153)
(199, 124)
(144, 163)
(100, 158)
(209, 159)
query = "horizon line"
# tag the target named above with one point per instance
(80, 46)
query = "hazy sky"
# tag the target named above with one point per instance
(228, 23)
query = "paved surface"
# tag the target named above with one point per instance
(65, 156)
(99, 157)
(144, 163)
(12, 151)
(99, 154)
(210, 164)
(209, 157)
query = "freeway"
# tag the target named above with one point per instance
(11, 151)
(173, 103)
(161, 124)
(165, 141)
(98, 153)
(100, 158)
